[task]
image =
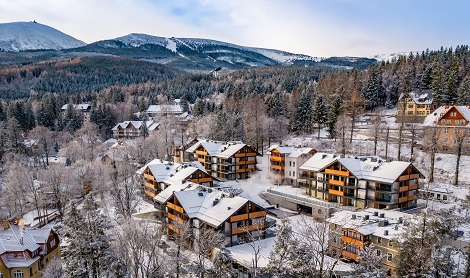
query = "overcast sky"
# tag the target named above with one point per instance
(319, 28)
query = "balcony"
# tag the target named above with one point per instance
(149, 193)
(403, 199)
(336, 192)
(175, 207)
(277, 168)
(335, 182)
(337, 172)
(404, 188)
(237, 218)
(414, 176)
(149, 177)
(245, 162)
(149, 185)
(413, 187)
(257, 214)
(412, 197)
(349, 240)
(201, 180)
(175, 218)
(404, 178)
(277, 158)
(201, 152)
(250, 228)
(244, 154)
(350, 255)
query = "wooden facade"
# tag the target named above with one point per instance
(337, 184)
(453, 129)
(248, 218)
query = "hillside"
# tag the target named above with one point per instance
(21, 36)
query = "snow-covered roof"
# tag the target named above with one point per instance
(420, 97)
(81, 106)
(381, 223)
(441, 190)
(151, 125)
(300, 151)
(431, 119)
(211, 206)
(282, 149)
(218, 148)
(169, 172)
(163, 196)
(10, 240)
(165, 108)
(362, 167)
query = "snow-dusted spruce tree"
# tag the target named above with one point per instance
(303, 115)
(334, 110)
(370, 264)
(463, 96)
(279, 258)
(320, 112)
(88, 253)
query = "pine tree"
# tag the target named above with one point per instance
(463, 97)
(184, 104)
(320, 113)
(333, 113)
(452, 80)
(303, 115)
(373, 92)
(438, 84)
(199, 108)
(88, 253)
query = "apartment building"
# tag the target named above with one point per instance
(24, 252)
(285, 162)
(351, 231)
(133, 129)
(225, 160)
(365, 181)
(415, 106)
(452, 124)
(158, 174)
(233, 216)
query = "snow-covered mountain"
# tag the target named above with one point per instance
(19, 36)
(203, 54)
(393, 57)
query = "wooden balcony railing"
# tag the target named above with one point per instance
(337, 172)
(403, 199)
(175, 218)
(404, 188)
(175, 207)
(201, 152)
(335, 182)
(257, 214)
(250, 228)
(350, 255)
(349, 240)
(277, 158)
(149, 177)
(412, 187)
(237, 218)
(336, 192)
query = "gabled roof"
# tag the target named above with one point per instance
(300, 151)
(165, 108)
(420, 97)
(441, 112)
(169, 172)
(363, 167)
(282, 149)
(214, 206)
(218, 148)
(163, 196)
(151, 125)
(10, 239)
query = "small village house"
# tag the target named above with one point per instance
(415, 106)
(24, 252)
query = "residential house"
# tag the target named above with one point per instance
(158, 174)
(179, 152)
(24, 252)
(235, 217)
(133, 129)
(365, 181)
(453, 128)
(225, 160)
(415, 106)
(284, 162)
(440, 194)
(166, 109)
(84, 108)
(351, 231)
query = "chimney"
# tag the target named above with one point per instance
(366, 217)
(396, 227)
(386, 232)
(353, 216)
(382, 215)
(376, 213)
(381, 223)
(6, 224)
(215, 202)
(400, 219)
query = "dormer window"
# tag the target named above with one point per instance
(443, 121)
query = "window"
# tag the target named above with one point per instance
(462, 122)
(293, 163)
(390, 243)
(18, 274)
(293, 173)
(443, 121)
(378, 253)
(448, 122)
(456, 122)
(52, 243)
(389, 257)
(379, 240)
(290, 163)
(444, 197)
(446, 130)
(1, 274)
